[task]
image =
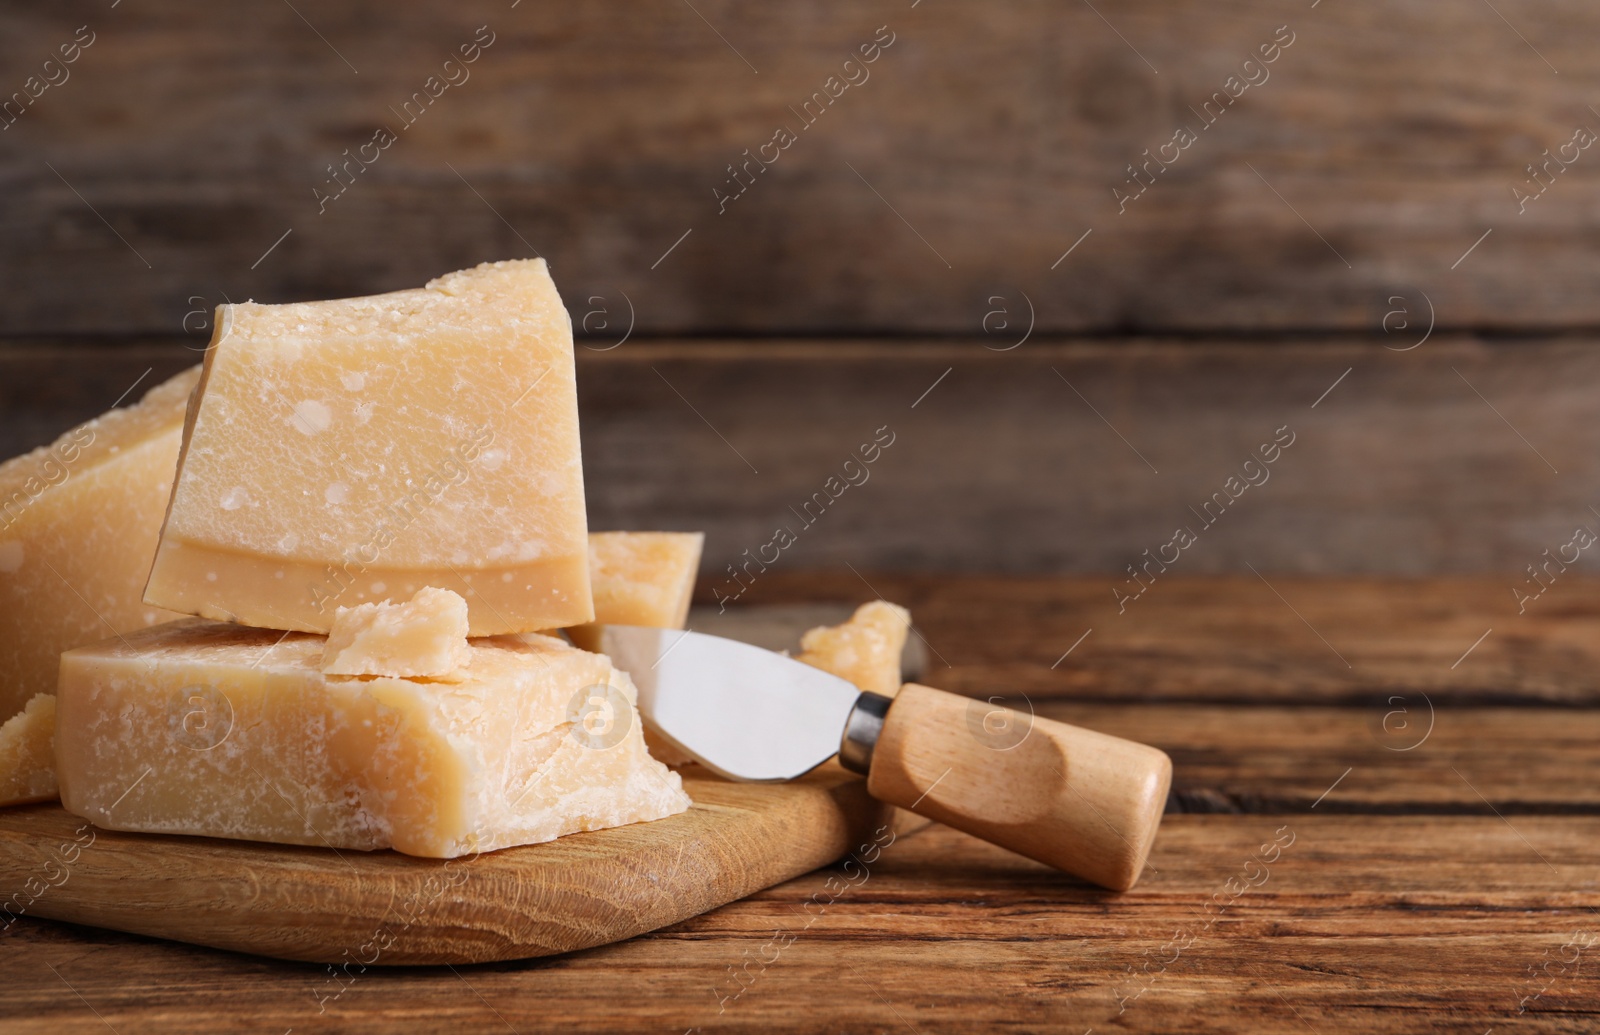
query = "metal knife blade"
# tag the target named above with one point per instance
(745, 713)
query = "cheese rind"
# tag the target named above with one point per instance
(425, 636)
(227, 731)
(79, 521)
(640, 578)
(357, 450)
(27, 753)
(865, 650)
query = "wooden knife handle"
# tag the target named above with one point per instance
(1080, 801)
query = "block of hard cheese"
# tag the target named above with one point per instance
(425, 636)
(865, 650)
(358, 450)
(227, 731)
(78, 525)
(640, 578)
(27, 753)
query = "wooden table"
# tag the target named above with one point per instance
(1383, 819)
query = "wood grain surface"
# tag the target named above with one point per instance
(1361, 924)
(1249, 639)
(1318, 870)
(1004, 461)
(970, 156)
(360, 909)
(1400, 756)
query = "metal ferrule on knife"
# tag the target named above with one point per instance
(861, 732)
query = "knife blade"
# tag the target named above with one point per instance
(743, 712)
(1083, 802)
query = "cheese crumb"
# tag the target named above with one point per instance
(27, 753)
(425, 637)
(865, 650)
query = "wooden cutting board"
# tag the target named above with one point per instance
(357, 909)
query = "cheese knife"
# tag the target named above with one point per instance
(1083, 802)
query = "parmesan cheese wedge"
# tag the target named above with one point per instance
(226, 731)
(354, 451)
(865, 650)
(640, 578)
(27, 753)
(79, 521)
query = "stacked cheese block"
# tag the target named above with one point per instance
(79, 520)
(360, 486)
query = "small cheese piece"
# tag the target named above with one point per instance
(78, 526)
(425, 636)
(640, 578)
(227, 731)
(27, 753)
(865, 650)
(358, 450)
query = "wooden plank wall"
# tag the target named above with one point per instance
(1382, 140)
(1052, 457)
(1352, 211)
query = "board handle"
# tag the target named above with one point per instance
(1083, 802)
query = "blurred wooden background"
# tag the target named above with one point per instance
(957, 199)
